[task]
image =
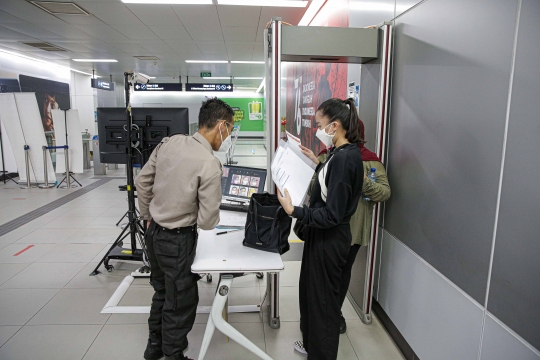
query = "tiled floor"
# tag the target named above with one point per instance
(50, 307)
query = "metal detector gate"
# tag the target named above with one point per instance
(329, 45)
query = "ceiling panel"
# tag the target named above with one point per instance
(66, 30)
(239, 15)
(27, 11)
(155, 14)
(6, 34)
(159, 48)
(131, 49)
(218, 48)
(289, 15)
(240, 51)
(112, 14)
(239, 34)
(6, 18)
(33, 30)
(171, 32)
(204, 31)
(136, 32)
(100, 46)
(103, 32)
(197, 15)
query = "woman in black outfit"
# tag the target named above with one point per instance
(334, 198)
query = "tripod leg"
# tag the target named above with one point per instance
(119, 221)
(76, 180)
(60, 183)
(118, 239)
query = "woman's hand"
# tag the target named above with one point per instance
(286, 202)
(309, 154)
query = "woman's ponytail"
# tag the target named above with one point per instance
(345, 112)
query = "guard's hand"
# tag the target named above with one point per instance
(286, 202)
(311, 156)
(148, 223)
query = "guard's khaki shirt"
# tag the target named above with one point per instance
(180, 185)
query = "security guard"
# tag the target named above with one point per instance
(179, 189)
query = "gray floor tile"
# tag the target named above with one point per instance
(83, 280)
(70, 253)
(6, 332)
(83, 212)
(289, 309)
(93, 236)
(19, 305)
(348, 311)
(15, 235)
(27, 257)
(137, 296)
(75, 306)
(116, 212)
(291, 275)
(125, 319)
(221, 349)
(119, 342)
(103, 222)
(40, 221)
(372, 341)
(73, 223)
(44, 276)
(47, 236)
(54, 342)
(279, 343)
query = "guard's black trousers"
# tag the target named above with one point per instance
(174, 305)
(323, 261)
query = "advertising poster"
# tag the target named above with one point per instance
(310, 84)
(50, 95)
(248, 113)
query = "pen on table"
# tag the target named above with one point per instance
(225, 232)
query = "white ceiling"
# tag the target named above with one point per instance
(173, 33)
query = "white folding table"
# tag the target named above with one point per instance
(226, 254)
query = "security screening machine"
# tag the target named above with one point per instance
(286, 45)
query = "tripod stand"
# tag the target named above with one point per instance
(4, 172)
(134, 228)
(71, 177)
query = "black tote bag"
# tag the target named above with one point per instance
(267, 225)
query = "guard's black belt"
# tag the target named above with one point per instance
(180, 230)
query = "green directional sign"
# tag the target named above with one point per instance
(206, 74)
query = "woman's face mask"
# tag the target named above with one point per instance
(325, 138)
(227, 142)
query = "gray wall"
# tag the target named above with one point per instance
(448, 148)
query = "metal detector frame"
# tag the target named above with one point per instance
(273, 38)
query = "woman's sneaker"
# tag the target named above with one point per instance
(299, 346)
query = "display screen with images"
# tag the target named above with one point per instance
(241, 182)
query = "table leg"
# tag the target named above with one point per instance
(272, 288)
(216, 319)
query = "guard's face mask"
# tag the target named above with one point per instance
(227, 142)
(325, 138)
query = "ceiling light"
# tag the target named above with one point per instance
(150, 77)
(262, 85)
(169, 2)
(95, 60)
(247, 78)
(274, 3)
(310, 13)
(44, 62)
(207, 61)
(371, 6)
(247, 62)
(217, 77)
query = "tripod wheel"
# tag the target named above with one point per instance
(109, 268)
(121, 244)
(208, 278)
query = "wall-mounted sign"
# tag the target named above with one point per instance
(158, 87)
(206, 74)
(103, 85)
(209, 87)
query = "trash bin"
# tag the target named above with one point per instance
(99, 168)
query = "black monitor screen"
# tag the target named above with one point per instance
(151, 126)
(239, 183)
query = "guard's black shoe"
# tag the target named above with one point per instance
(177, 356)
(153, 348)
(342, 325)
